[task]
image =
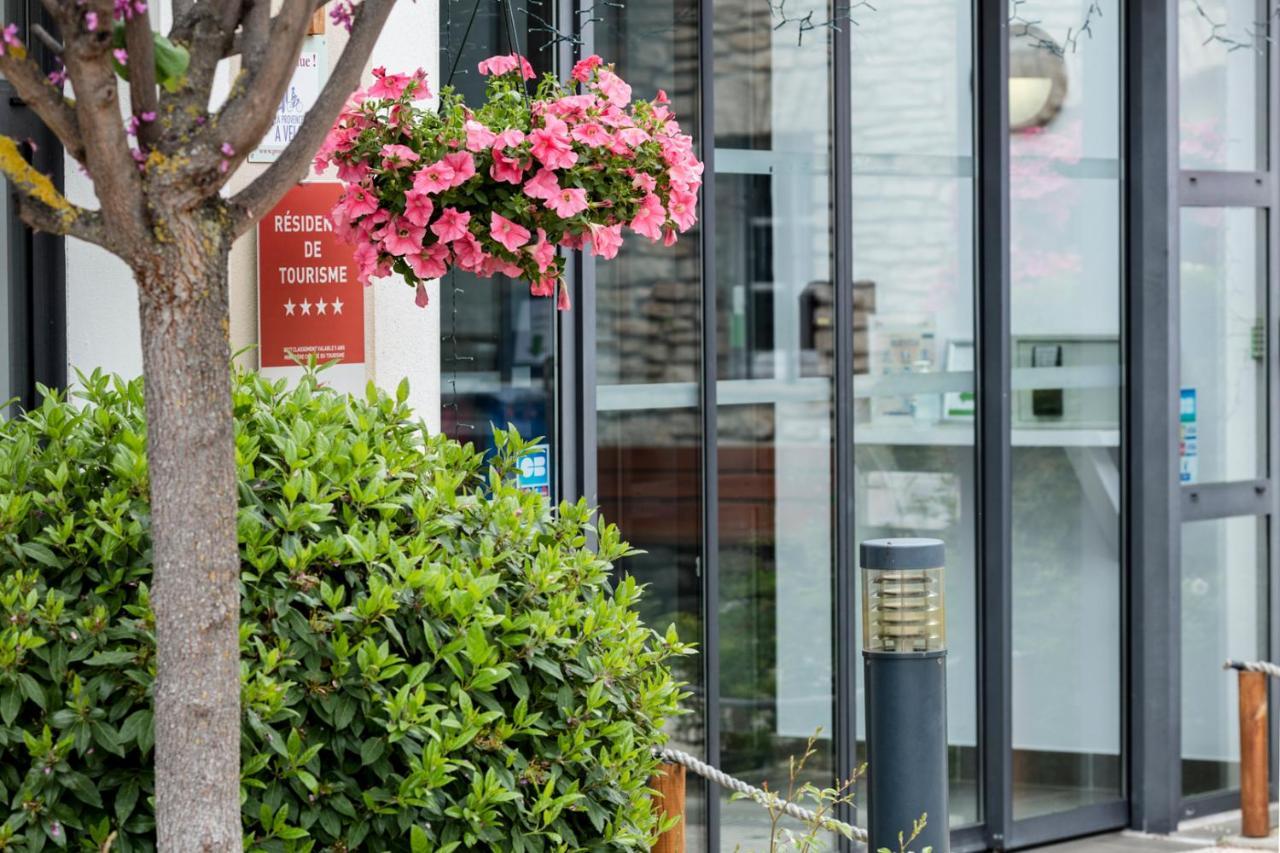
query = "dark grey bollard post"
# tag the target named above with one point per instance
(905, 662)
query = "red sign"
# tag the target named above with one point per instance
(309, 302)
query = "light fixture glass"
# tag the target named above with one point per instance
(903, 596)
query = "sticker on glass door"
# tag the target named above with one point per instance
(1188, 438)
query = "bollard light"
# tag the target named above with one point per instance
(904, 641)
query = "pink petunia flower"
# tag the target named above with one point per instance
(357, 202)
(552, 146)
(633, 136)
(402, 237)
(433, 178)
(470, 255)
(396, 156)
(649, 220)
(479, 137)
(582, 69)
(431, 262)
(505, 168)
(418, 207)
(606, 240)
(542, 185)
(388, 86)
(545, 286)
(644, 181)
(452, 224)
(463, 165)
(590, 133)
(421, 91)
(543, 253)
(510, 234)
(499, 65)
(509, 138)
(614, 88)
(683, 209)
(353, 173)
(568, 202)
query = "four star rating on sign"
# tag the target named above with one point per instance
(320, 306)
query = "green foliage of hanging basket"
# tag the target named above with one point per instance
(432, 659)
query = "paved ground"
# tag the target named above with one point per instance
(1218, 833)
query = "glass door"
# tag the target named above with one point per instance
(1227, 377)
(1065, 354)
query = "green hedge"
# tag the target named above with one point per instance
(432, 659)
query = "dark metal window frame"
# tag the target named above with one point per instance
(1256, 498)
(1153, 503)
(35, 268)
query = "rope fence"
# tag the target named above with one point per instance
(1262, 666)
(773, 802)
(768, 799)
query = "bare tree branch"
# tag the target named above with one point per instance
(44, 98)
(257, 198)
(41, 205)
(207, 40)
(256, 27)
(106, 146)
(142, 73)
(181, 8)
(250, 108)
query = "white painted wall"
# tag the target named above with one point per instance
(402, 340)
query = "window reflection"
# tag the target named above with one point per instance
(650, 449)
(774, 325)
(913, 331)
(1065, 348)
(1222, 65)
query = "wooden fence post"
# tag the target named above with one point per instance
(1253, 755)
(669, 800)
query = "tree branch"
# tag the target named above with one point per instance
(44, 98)
(181, 8)
(142, 73)
(292, 165)
(256, 28)
(41, 205)
(207, 30)
(107, 153)
(251, 107)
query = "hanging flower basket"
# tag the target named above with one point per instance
(496, 189)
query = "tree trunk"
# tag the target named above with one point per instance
(195, 595)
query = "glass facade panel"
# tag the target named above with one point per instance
(650, 451)
(1224, 616)
(913, 326)
(1222, 93)
(498, 342)
(774, 312)
(1066, 366)
(1224, 371)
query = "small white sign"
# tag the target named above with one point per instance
(304, 88)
